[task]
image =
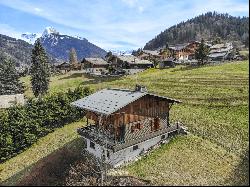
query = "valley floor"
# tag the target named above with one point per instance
(214, 108)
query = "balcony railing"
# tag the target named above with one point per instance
(103, 137)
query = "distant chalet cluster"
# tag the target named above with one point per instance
(144, 59)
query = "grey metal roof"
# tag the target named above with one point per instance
(108, 101)
(215, 55)
(133, 60)
(98, 61)
(156, 53)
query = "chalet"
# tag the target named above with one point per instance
(169, 62)
(184, 52)
(122, 124)
(191, 48)
(94, 65)
(220, 52)
(63, 67)
(131, 64)
(179, 51)
(149, 55)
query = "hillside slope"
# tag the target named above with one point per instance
(214, 108)
(17, 50)
(207, 26)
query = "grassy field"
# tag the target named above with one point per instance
(214, 108)
(14, 169)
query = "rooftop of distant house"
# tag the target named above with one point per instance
(97, 61)
(133, 59)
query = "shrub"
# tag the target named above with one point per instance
(21, 126)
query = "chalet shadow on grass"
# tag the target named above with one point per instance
(122, 124)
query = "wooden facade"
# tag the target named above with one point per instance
(143, 116)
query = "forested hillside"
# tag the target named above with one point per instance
(208, 26)
(18, 50)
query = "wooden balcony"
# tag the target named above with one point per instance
(101, 137)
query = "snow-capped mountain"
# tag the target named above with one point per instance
(58, 45)
(48, 31)
(121, 52)
(30, 37)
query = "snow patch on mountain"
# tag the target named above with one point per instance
(30, 37)
(121, 52)
(49, 31)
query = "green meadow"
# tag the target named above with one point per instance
(214, 108)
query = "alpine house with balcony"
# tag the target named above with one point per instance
(122, 124)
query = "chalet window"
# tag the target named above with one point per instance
(108, 155)
(92, 145)
(135, 147)
(136, 127)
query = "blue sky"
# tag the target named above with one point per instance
(110, 24)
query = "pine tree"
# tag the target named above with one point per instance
(9, 78)
(73, 58)
(201, 52)
(40, 70)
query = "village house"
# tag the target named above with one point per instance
(122, 124)
(95, 65)
(63, 67)
(149, 55)
(168, 62)
(131, 64)
(184, 52)
(220, 52)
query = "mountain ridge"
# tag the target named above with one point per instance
(56, 45)
(207, 26)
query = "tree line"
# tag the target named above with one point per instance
(207, 26)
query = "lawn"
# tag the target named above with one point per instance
(214, 108)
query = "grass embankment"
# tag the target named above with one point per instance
(214, 108)
(17, 167)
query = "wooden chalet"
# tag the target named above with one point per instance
(168, 62)
(149, 55)
(184, 51)
(132, 62)
(128, 122)
(95, 65)
(63, 67)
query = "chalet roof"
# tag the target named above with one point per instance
(217, 46)
(215, 55)
(155, 53)
(171, 59)
(133, 60)
(108, 101)
(178, 47)
(62, 64)
(97, 61)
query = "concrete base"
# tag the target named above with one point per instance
(125, 155)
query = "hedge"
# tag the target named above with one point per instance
(21, 126)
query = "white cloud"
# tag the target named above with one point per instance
(9, 31)
(38, 9)
(109, 23)
(141, 9)
(130, 3)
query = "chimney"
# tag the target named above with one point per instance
(140, 88)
